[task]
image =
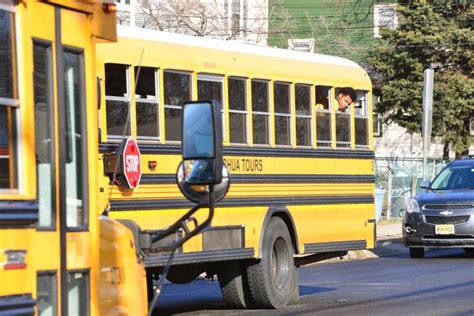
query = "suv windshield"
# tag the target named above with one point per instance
(454, 177)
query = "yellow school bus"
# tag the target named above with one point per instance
(301, 170)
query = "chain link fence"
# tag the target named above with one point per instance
(396, 180)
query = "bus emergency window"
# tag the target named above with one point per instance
(281, 99)
(44, 131)
(343, 126)
(8, 101)
(303, 114)
(177, 89)
(361, 119)
(260, 112)
(117, 98)
(147, 103)
(323, 116)
(238, 113)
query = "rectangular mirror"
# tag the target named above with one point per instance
(198, 131)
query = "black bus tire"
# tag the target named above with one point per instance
(234, 286)
(272, 280)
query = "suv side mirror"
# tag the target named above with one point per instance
(425, 184)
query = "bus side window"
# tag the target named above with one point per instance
(303, 114)
(238, 112)
(147, 103)
(8, 102)
(323, 116)
(117, 100)
(260, 112)
(361, 119)
(177, 90)
(343, 125)
(281, 99)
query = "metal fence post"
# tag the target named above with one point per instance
(389, 189)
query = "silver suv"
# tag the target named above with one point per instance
(443, 214)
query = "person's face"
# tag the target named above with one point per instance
(343, 101)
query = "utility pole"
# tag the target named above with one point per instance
(428, 75)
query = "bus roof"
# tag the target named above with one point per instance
(233, 46)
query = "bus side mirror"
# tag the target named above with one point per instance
(202, 166)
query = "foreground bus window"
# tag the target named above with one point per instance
(44, 132)
(8, 101)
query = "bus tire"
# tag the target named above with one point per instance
(234, 286)
(272, 280)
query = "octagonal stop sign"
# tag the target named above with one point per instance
(131, 170)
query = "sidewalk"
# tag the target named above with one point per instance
(389, 239)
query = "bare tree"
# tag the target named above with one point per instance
(205, 18)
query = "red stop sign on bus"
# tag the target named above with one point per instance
(131, 166)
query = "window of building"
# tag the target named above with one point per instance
(385, 16)
(343, 126)
(177, 90)
(117, 98)
(361, 110)
(260, 112)
(238, 113)
(323, 116)
(147, 103)
(303, 115)
(235, 17)
(282, 120)
(8, 101)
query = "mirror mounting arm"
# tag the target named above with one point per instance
(181, 223)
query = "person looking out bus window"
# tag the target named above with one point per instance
(344, 98)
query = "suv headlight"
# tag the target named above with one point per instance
(412, 206)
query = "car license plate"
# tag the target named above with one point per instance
(444, 229)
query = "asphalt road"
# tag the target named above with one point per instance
(442, 283)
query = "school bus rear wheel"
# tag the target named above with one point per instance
(272, 281)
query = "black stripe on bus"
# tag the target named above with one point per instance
(17, 305)
(274, 178)
(252, 151)
(334, 246)
(131, 205)
(18, 213)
